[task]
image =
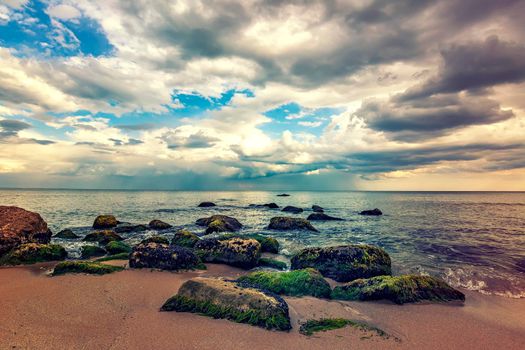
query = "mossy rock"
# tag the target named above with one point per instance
(105, 221)
(287, 223)
(326, 324)
(90, 251)
(292, 283)
(272, 263)
(240, 252)
(159, 225)
(222, 299)
(89, 267)
(116, 247)
(344, 263)
(268, 244)
(119, 256)
(102, 237)
(128, 228)
(155, 239)
(31, 253)
(163, 257)
(185, 238)
(66, 234)
(399, 289)
(219, 223)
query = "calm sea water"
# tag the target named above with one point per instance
(472, 240)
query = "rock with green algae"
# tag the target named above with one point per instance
(159, 225)
(292, 283)
(185, 238)
(268, 244)
(344, 263)
(219, 223)
(398, 289)
(224, 299)
(240, 252)
(119, 256)
(117, 247)
(105, 221)
(128, 228)
(90, 251)
(163, 257)
(272, 263)
(155, 239)
(326, 324)
(89, 267)
(288, 223)
(66, 234)
(30, 253)
(102, 237)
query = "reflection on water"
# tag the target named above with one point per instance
(473, 240)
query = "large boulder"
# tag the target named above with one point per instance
(117, 247)
(163, 257)
(30, 253)
(222, 299)
(372, 212)
(102, 237)
(19, 226)
(288, 223)
(292, 209)
(240, 252)
(399, 289)
(105, 221)
(219, 223)
(185, 238)
(66, 234)
(159, 225)
(322, 217)
(345, 263)
(268, 244)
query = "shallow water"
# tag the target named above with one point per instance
(475, 240)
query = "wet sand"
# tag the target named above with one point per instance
(120, 311)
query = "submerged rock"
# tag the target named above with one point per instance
(322, 217)
(127, 228)
(219, 223)
(89, 267)
(267, 205)
(221, 299)
(30, 253)
(105, 221)
(344, 263)
(373, 212)
(102, 237)
(19, 226)
(159, 225)
(240, 252)
(288, 223)
(66, 234)
(399, 289)
(155, 239)
(207, 205)
(293, 283)
(116, 247)
(292, 209)
(162, 256)
(90, 251)
(185, 238)
(317, 209)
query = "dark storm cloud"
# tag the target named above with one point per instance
(9, 129)
(10, 126)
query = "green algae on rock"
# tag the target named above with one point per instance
(398, 289)
(102, 237)
(159, 225)
(219, 223)
(66, 234)
(119, 256)
(240, 252)
(292, 283)
(185, 238)
(105, 221)
(344, 263)
(272, 263)
(89, 267)
(163, 257)
(155, 239)
(223, 299)
(288, 223)
(31, 253)
(325, 324)
(116, 247)
(90, 251)
(268, 244)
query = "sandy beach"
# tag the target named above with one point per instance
(121, 311)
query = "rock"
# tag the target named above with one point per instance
(267, 205)
(287, 223)
(272, 263)
(105, 221)
(159, 225)
(66, 234)
(240, 252)
(322, 217)
(30, 253)
(163, 257)
(155, 239)
(268, 244)
(130, 228)
(221, 299)
(398, 289)
(317, 209)
(207, 205)
(116, 247)
(102, 237)
(283, 195)
(89, 251)
(185, 238)
(219, 223)
(19, 226)
(344, 263)
(373, 212)
(292, 283)
(94, 268)
(119, 256)
(292, 209)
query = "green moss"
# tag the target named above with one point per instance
(89, 251)
(105, 221)
(184, 238)
(326, 324)
(399, 289)
(119, 256)
(89, 267)
(268, 244)
(293, 283)
(207, 308)
(102, 237)
(116, 247)
(275, 264)
(31, 253)
(155, 239)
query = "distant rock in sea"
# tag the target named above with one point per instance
(105, 221)
(283, 195)
(373, 212)
(322, 217)
(207, 204)
(287, 223)
(292, 209)
(317, 209)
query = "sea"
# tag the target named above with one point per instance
(473, 240)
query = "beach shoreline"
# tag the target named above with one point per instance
(121, 311)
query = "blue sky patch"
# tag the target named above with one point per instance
(194, 103)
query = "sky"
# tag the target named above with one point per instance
(263, 94)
